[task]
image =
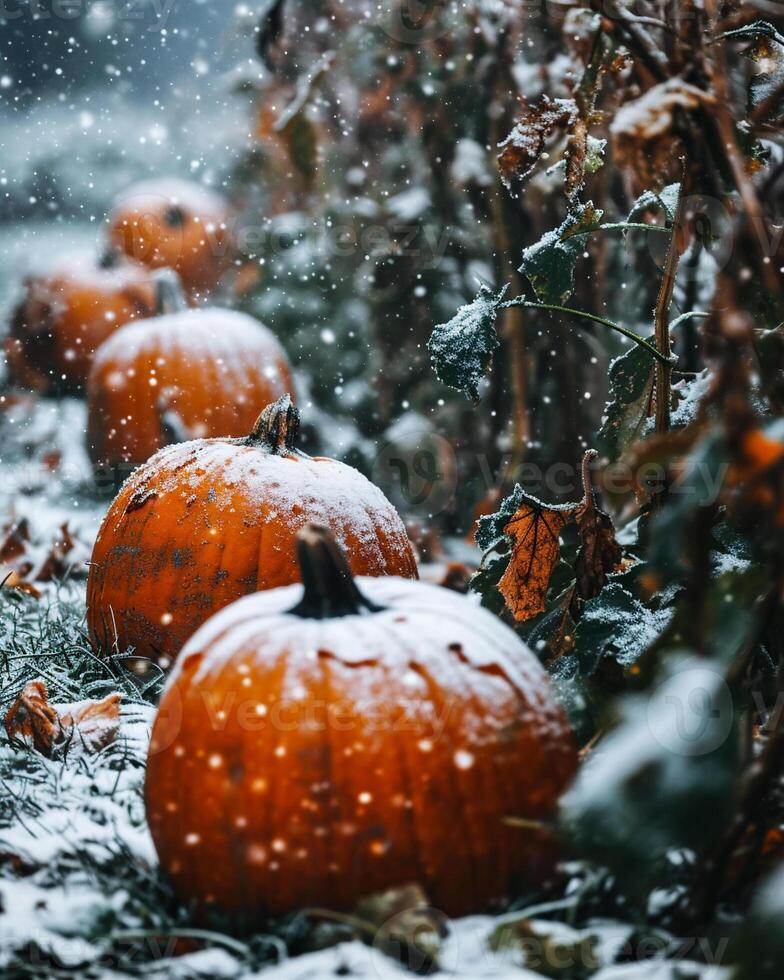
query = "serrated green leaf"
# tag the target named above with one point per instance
(461, 349)
(631, 379)
(549, 264)
(490, 528)
(665, 200)
(616, 625)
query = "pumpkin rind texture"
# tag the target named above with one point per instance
(195, 373)
(301, 762)
(66, 313)
(175, 224)
(205, 522)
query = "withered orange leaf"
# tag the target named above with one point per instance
(90, 725)
(535, 530)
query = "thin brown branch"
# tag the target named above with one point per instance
(728, 135)
(662, 316)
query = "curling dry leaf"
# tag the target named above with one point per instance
(522, 148)
(643, 130)
(461, 349)
(599, 552)
(90, 725)
(534, 530)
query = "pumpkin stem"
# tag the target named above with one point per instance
(330, 589)
(277, 426)
(169, 297)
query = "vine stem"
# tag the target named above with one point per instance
(554, 308)
(632, 226)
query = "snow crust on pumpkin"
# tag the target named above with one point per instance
(448, 628)
(285, 489)
(82, 267)
(228, 338)
(148, 195)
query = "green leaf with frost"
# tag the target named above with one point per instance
(665, 200)
(549, 264)
(462, 348)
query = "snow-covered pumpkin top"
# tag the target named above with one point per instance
(193, 373)
(175, 224)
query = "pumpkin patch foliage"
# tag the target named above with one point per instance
(392, 490)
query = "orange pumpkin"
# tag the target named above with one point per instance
(188, 374)
(317, 746)
(67, 312)
(206, 522)
(178, 225)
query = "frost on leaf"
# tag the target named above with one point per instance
(615, 810)
(665, 201)
(631, 391)
(48, 727)
(535, 533)
(523, 147)
(618, 626)
(767, 51)
(549, 264)
(461, 348)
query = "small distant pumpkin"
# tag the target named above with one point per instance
(206, 522)
(315, 746)
(175, 224)
(185, 374)
(67, 312)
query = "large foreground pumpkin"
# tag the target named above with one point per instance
(67, 312)
(175, 224)
(189, 374)
(314, 748)
(205, 522)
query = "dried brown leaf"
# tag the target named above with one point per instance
(599, 552)
(644, 130)
(32, 718)
(522, 148)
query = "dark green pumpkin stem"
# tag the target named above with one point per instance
(330, 589)
(169, 297)
(277, 426)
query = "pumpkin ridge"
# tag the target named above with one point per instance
(329, 766)
(438, 701)
(406, 771)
